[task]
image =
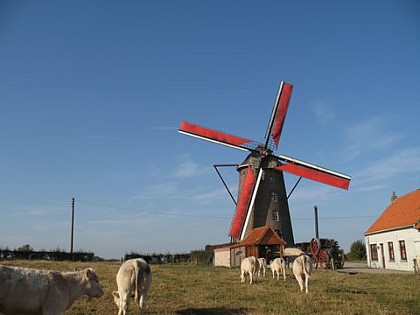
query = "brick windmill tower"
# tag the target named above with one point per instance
(262, 198)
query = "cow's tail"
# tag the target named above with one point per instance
(147, 277)
(283, 267)
(306, 266)
(143, 279)
(136, 279)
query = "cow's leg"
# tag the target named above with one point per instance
(250, 277)
(142, 301)
(306, 284)
(300, 281)
(123, 304)
(242, 276)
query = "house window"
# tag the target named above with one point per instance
(391, 251)
(275, 215)
(403, 253)
(272, 179)
(373, 252)
(273, 197)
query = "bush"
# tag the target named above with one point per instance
(357, 251)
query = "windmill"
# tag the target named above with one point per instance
(262, 198)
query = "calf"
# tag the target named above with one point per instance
(262, 266)
(278, 265)
(42, 292)
(134, 278)
(302, 268)
(248, 267)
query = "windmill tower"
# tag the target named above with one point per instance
(262, 196)
(270, 207)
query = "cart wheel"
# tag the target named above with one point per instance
(324, 260)
(315, 262)
(315, 245)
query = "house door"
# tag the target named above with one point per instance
(382, 255)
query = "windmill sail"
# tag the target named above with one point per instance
(314, 172)
(278, 115)
(216, 136)
(243, 204)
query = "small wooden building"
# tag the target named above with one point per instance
(260, 242)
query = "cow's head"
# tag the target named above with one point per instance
(93, 288)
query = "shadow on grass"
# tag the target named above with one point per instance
(212, 311)
(348, 291)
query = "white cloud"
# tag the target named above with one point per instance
(370, 135)
(323, 112)
(404, 161)
(316, 192)
(187, 167)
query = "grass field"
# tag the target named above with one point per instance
(189, 289)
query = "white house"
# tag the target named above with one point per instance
(393, 240)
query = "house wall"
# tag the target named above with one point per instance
(410, 236)
(236, 256)
(222, 257)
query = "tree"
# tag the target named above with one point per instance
(25, 248)
(357, 250)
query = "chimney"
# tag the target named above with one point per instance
(393, 197)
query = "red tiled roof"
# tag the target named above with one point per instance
(403, 212)
(261, 236)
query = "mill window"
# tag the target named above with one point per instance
(275, 215)
(273, 197)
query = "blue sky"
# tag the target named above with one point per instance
(92, 94)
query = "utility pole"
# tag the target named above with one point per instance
(316, 221)
(72, 225)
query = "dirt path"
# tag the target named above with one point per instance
(356, 267)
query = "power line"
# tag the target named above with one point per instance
(210, 217)
(340, 218)
(153, 212)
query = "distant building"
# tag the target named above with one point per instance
(393, 240)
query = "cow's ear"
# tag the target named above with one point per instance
(90, 273)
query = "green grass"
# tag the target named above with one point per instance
(187, 289)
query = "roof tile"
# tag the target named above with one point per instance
(404, 211)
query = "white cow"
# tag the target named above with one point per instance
(134, 278)
(278, 265)
(302, 268)
(43, 292)
(262, 266)
(248, 267)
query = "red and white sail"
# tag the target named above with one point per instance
(278, 115)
